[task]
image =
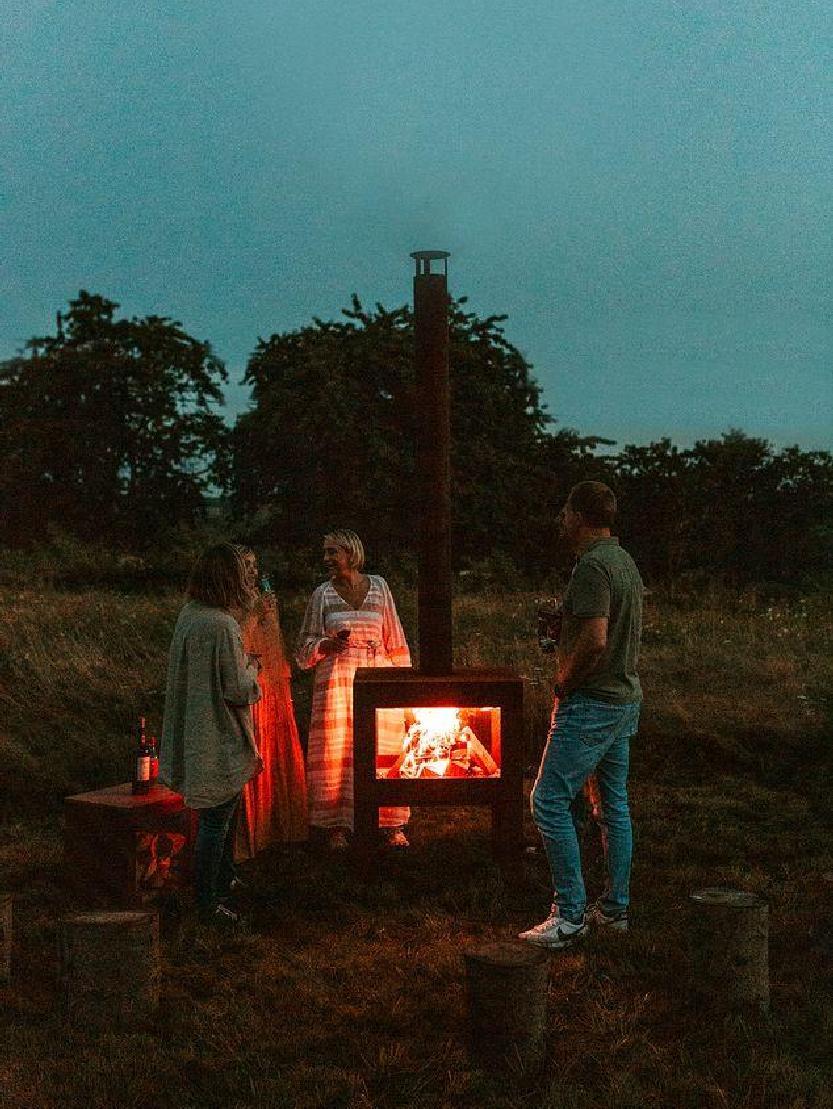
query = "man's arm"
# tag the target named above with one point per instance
(587, 650)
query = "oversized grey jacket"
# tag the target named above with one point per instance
(208, 749)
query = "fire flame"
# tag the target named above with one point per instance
(439, 745)
(438, 721)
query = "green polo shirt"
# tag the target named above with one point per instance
(606, 582)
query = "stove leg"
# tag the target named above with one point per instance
(507, 836)
(365, 836)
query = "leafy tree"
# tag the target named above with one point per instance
(654, 484)
(733, 482)
(106, 428)
(804, 519)
(797, 524)
(330, 436)
(730, 508)
(565, 458)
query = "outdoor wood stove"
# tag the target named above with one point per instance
(461, 731)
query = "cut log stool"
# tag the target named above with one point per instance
(109, 968)
(729, 938)
(5, 938)
(507, 1004)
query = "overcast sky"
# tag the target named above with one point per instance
(644, 187)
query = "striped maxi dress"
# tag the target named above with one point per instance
(376, 639)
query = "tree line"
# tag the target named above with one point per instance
(110, 430)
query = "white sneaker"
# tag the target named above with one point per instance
(555, 931)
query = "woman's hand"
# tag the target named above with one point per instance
(334, 645)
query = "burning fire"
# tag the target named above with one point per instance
(439, 745)
(438, 721)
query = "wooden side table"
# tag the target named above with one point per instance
(123, 849)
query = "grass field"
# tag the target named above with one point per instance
(352, 995)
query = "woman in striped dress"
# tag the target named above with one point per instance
(351, 621)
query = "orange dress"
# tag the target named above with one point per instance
(273, 808)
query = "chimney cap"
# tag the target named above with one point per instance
(424, 258)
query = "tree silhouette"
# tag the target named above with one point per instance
(107, 431)
(106, 428)
(330, 436)
(731, 509)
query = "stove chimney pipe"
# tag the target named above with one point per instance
(433, 459)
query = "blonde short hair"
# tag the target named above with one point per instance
(351, 543)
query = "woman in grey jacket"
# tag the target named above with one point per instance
(208, 750)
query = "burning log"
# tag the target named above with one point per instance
(481, 757)
(507, 1004)
(109, 971)
(729, 947)
(5, 937)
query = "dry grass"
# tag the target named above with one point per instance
(351, 995)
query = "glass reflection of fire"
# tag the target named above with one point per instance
(440, 744)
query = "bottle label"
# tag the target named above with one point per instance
(143, 769)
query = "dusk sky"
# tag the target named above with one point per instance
(643, 187)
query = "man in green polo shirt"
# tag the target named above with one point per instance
(598, 698)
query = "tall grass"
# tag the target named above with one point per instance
(352, 995)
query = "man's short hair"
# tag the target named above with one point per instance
(595, 502)
(351, 543)
(218, 578)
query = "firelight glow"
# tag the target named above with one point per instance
(439, 745)
(439, 721)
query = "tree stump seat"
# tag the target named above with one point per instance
(728, 941)
(507, 1003)
(109, 968)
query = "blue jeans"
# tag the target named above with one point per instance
(214, 854)
(586, 736)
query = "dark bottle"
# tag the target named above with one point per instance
(265, 585)
(141, 761)
(154, 760)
